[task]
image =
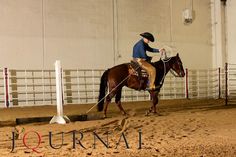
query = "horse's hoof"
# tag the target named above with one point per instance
(126, 114)
(157, 113)
(104, 117)
(147, 113)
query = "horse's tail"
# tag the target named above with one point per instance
(102, 91)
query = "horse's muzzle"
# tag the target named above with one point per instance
(182, 74)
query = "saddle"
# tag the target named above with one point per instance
(136, 70)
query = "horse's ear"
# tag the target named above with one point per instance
(177, 55)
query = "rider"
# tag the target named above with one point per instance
(140, 55)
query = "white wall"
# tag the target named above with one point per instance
(231, 31)
(21, 33)
(34, 33)
(164, 19)
(217, 29)
(99, 34)
(79, 33)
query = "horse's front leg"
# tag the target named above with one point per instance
(155, 102)
(154, 98)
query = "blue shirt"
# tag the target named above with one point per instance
(140, 48)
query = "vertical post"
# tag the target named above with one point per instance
(59, 118)
(186, 85)
(163, 91)
(78, 85)
(85, 87)
(26, 88)
(132, 97)
(68, 86)
(226, 83)
(144, 95)
(58, 88)
(93, 79)
(198, 84)
(124, 94)
(219, 84)
(50, 86)
(136, 95)
(175, 91)
(115, 31)
(14, 89)
(6, 87)
(208, 83)
(62, 85)
(34, 100)
(43, 86)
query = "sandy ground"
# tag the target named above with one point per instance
(201, 128)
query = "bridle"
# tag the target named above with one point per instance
(164, 74)
(171, 70)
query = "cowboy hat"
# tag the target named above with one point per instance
(148, 36)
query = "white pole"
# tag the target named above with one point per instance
(59, 118)
(58, 88)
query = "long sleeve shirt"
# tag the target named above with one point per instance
(140, 48)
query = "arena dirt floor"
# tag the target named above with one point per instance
(199, 128)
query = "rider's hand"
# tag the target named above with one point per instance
(162, 50)
(163, 53)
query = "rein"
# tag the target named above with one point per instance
(172, 72)
(164, 74)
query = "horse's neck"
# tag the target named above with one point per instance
(166, 65)
(163, 67)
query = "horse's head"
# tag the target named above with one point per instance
(177, 66)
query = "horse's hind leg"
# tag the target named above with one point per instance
(118, 102)
(108, 100)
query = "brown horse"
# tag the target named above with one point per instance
(121, 75)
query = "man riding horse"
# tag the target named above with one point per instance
(140, 56)
(116, 77)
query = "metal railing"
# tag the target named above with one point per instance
(80, 86)
(231, 83)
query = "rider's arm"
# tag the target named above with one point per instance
(148, 48)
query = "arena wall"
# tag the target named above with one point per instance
(99, 34)
(231, 31)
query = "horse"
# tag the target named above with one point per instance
(115, 78)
